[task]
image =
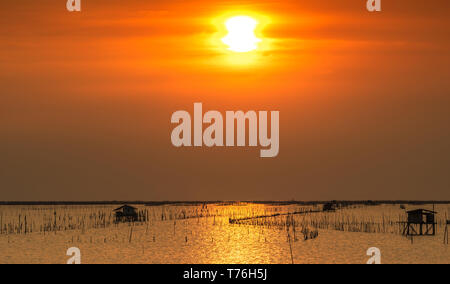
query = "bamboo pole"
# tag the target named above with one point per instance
(446, 230)
(446, 235)
(131, 234)
(289, 238)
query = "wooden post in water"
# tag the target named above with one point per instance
(446, 234)
(447, 222)
(54, 224)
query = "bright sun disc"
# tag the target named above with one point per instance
(241, 34)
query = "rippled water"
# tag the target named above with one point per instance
(214, 240)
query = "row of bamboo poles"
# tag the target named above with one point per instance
(330, 221)
(24, 224)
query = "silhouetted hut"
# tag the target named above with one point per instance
(329, 206)
(126, 213)
(421, 222)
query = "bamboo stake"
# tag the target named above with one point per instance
(131, 234)
(446, 230)
(289, 238)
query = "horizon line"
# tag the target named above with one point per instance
(192, 202)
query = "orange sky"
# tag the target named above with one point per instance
(87, 99)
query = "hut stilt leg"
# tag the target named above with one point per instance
(446, 235)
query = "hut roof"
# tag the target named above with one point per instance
(125, 206)
(421, 211)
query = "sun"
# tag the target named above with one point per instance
(241, 34)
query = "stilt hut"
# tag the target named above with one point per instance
(329, 207)
(421, 222)
(126, 213)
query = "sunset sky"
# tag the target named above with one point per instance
(86, 100)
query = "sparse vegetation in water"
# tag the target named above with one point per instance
(219, 231)
(305, 219)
